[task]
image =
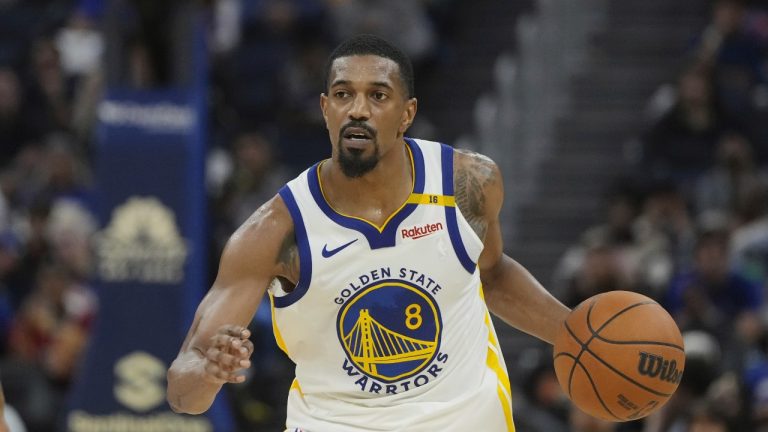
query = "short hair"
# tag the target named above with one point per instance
(366, 44)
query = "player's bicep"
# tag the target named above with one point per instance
(483, 188)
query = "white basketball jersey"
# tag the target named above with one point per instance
(387, 325)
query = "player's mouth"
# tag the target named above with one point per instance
(357, 137)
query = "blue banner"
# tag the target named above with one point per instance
(151, 262)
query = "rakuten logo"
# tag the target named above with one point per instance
(421, 231)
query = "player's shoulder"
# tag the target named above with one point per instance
(266, 226)
(255, 246)
(476, 166)
(464, 160)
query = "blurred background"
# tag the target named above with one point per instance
(633, 135)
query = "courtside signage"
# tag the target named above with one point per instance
(151, 261)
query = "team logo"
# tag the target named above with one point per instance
(390, 330)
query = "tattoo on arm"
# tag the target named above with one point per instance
(470, 180)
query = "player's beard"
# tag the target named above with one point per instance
(353, 163)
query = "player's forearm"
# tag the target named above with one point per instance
(188, 391)
(516, 297)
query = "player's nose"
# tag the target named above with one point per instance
(359, 109)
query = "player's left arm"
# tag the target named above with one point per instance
(511, 292)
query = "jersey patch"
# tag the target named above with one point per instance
(390, 330)
(418, 232)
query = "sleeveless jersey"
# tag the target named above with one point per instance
(387, 325)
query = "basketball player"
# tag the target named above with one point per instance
(381, 264)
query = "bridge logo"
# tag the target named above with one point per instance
(390, 330)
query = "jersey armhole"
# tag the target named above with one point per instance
(446, 153)
(305, 255)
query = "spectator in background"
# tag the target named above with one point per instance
(226, 28)
(665, 236)
(733, 48)
(682, 143)
(749, 241)
(153, 38)
(50, 94)
(545, 404)
(15, 128)
(251, 182)
(617, 233)
(69, 232)
(36, 251)
(10, 254)
(733, 54)
(724, 186)
(404, 22)
(80, 45)
(53, 323)
(601, 271)
(756, 384)
(63, 171)
(47, 341)
(302, 76)
(713, 297)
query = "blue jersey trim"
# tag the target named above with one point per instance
(446, 154)
(305, 256)
(376, 239)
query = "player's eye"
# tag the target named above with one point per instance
(379, 95)
(341, 94)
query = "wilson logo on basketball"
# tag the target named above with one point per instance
(421, 231)
(654, 366)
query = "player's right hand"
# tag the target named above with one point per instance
(229, 354)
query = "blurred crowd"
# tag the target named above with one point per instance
(690, 229)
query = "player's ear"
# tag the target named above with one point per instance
(324, 106)
(409, 114)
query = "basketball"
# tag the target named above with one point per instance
(619, 356)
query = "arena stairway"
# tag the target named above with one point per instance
(478, 32)
(640, 48)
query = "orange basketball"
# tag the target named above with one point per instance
(619, 356)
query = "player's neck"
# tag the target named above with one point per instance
(375, 195)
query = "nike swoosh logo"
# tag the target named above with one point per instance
(329, 253)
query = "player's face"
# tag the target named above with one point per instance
(366, 111)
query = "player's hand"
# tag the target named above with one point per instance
(228, 354)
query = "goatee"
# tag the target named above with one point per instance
(354, 165)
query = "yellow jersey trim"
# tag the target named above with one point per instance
(427, 199)
(275, 330)
(504, 389)
(295, 386)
